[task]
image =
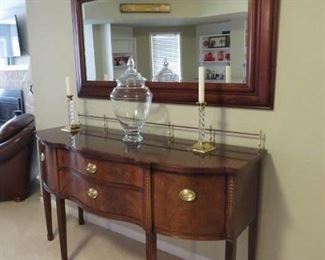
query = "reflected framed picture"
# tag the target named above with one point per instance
(219, 41)
(120, 59)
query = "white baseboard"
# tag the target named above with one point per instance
(134, 234)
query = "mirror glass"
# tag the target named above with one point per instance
(167, 47)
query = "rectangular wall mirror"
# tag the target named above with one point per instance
(234, 40)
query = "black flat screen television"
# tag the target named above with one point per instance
(9, 38)
(11, 102)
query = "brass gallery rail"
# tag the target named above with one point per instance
(259, 136)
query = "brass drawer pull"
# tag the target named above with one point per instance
(91, 168)
(42, 157)
(187, 195)
(92, 193)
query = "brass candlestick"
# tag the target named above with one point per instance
(72, 126)
(202, 146)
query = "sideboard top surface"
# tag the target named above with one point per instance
(155, 151)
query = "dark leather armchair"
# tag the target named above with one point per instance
(16, 148)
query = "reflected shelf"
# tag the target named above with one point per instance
(215, 62)
(216, 49)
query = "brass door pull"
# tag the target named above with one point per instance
(42, 157)
(91, 168)
(187, 195)
(92, 193)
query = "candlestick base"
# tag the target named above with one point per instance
(74, 128)
(202, 147)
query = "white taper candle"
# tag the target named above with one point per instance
(201, 84)
(68, 86)
(228, 73)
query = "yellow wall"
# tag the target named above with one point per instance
(292, 210)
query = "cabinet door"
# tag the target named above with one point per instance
(189, 206)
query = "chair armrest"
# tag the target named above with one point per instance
(15, 144)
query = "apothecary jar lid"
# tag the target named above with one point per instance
(131, 77)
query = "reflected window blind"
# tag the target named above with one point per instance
(165, 46)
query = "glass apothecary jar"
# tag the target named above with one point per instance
(131, 101)
(166, 74)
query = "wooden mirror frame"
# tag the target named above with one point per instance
(258, 92)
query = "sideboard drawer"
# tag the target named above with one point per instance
(48, 167)
(104, 171)
(189, 206)
(109, 200)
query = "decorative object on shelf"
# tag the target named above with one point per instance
(202, 146)
(145, 8)
(72, 126)
(206, 43)
(220, 55)
(213, 75)
(120, 59)
(166, 74)
(131, 101)
(209, 57)
(219, 41)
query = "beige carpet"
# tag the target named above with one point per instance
(23, 237)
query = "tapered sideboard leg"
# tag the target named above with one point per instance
(151, 246)
(60, 207)
(48, 213)
(252, 240)
(81, 216)
(231, 250)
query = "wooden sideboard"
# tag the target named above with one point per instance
(161, 186)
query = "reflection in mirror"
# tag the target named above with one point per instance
(167, 47)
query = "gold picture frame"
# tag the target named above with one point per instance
(145, 8)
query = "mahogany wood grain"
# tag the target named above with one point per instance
(253, 226)
(245, 209)
(46, 196)
(201, 219)
(231, 249)
(145, 183)
(60, 208)
(48, 213)
(151, 246)
(49, 169)
(231, 194)
(112, 200)
(81, 219)
(154, 151)
(107, 171)
(257, 92)
(148, 205)
(252, 240)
